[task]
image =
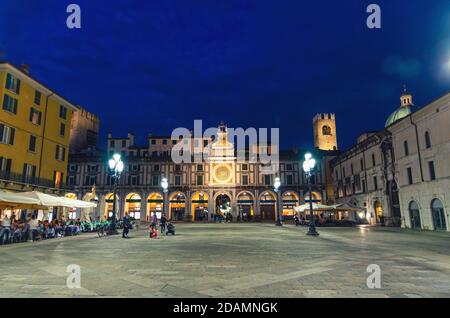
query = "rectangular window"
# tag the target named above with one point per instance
(361, 164)
(373, 160)
(10, 104)
(245, 180)
(199, 167)
(174, 142)
(289, 179)
(73, 168)
(111, 143)
(12, 83)
(164, 142)
(351, 168)
(410, 175)
(124, 143)
(364, 186)
(60, 153)
(343, 172)
(35, 116)
(375, 183)
(32, 144)
(71, 180)
(267, 180)
(156, 168)
(5, 168)
(7, 135)
(205, 143)
(62, 112)
(288, 167)
(153, 141)
(37, 97)
(177, 180)
(199, 180)
(62, 130)
(432, 171)
(177, 168)
(244, 167)
(155, 180)
(29, 173)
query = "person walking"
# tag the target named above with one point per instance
(162, 224)
(5, 230)
(126, 225)
(154, 220)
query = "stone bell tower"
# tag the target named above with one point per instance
(325, 132)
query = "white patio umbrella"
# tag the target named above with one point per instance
(18, 201)
(316, 207)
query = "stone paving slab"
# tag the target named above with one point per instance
(233, 260)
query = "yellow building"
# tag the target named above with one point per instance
(34, 132)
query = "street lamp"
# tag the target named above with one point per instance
(116, 167)
(277, 185)
(308, 167)
(165, 186)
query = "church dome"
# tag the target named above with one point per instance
(400, 113)
(403, 111)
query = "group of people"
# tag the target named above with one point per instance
(166, 227)
(15, 231)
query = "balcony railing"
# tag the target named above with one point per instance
(6, 176)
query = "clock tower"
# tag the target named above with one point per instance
(222, 159)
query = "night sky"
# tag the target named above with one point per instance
(152, 66)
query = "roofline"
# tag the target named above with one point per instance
(11, 67)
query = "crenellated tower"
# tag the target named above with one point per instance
(325, 132)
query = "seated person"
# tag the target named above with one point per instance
(170, 229)
(153, 232)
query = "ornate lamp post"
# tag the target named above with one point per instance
(277, 185)
(116, 167)
(165, 186)
(308, 167)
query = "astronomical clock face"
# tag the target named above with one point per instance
(222, 174)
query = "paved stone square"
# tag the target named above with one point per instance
(232, 260)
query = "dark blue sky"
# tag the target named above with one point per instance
(151, 66)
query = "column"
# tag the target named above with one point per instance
(143, 207)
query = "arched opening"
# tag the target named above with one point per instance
(109, 204)
(437, 212)
(290, 200)
(223, 205)
(268, 203)
(133, 205)
(245, 203)
(200, 207)
(177, 206)
(414, 215)
(378, 209)
(155, 205)
(317, 198)
(326, 130)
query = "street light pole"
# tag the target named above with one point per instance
(165, 186)
(308, 166)
(277, 185)
(116, 167)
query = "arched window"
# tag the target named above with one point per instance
(326, 130)
(427, 140)
(414, 215)
(437, 212)
(406, 148)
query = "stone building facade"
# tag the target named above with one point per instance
(401, 174)
(421, 143)
(197, 190)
